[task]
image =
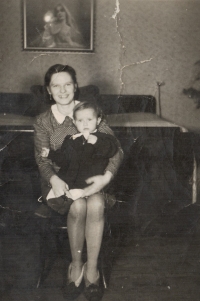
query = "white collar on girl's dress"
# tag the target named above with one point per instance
(59, 116)
(86, 135)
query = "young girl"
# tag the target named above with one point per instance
(82, 155)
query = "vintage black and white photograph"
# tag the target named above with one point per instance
(58, 26)
(100, 150)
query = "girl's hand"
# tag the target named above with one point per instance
(92, 139)
(59, 186)
(97, 183)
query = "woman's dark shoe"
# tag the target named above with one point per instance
(73, 289)
(61, 204)
(92, 291)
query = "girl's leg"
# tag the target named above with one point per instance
(76, 231)
(94, 233)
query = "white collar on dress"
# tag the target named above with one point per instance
(59, 116)
(86, 135)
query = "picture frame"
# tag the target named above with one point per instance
(64, 26)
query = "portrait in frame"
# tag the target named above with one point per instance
(65, 25)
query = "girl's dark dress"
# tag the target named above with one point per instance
(80, 160)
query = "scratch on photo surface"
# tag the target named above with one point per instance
(39, 55)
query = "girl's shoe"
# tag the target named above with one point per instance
(43, 211)
(73, 289)
(61, 204)
(92, 291)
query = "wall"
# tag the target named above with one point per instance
(154, 41)
(20, 69)
(167, 34)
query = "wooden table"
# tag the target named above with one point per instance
(16, 124)
(24, 123)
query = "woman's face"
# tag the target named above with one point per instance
(60, 13)
(62, 88)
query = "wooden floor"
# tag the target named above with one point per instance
(161, 264)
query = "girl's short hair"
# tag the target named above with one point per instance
(87, 105)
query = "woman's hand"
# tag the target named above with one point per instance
(59, 186)
(97, 183)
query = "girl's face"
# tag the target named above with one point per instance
(60, 13)
(86, 120)
(62, 88)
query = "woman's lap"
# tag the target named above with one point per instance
(80, 207)
(93, 203)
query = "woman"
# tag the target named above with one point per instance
(85, 219)
(61, 29)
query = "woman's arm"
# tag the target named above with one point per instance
(47, 172)
(117, 159)
(41, 139)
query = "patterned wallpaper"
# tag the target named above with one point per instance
(150, 41)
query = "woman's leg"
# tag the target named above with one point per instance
(94, 232)
(76, 231)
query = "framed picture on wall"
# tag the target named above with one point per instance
(66, 25)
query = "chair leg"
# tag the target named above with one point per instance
(109, 249)
(53, 244)
(104, 272)
(45, 270)
(47, 258)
